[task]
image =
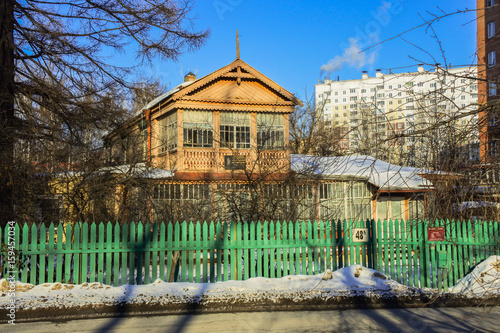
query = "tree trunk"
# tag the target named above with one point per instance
(6, 110)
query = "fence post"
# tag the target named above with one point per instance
(373, 245)
(338, 244)
(424, 264)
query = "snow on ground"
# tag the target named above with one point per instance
(484, 279)
(353, 280)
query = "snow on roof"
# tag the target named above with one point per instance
(385, 176)
(164, 96)
(476, 204)
(139, 169)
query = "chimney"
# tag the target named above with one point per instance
(378, 73)
(421, 68)
(364, 75)
(190, 77)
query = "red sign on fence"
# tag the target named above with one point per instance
(435, 233)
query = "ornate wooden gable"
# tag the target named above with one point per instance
(235, 87)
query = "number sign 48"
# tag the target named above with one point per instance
(360, 235)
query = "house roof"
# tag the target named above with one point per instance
(164, 96)
(236, 71)
(385, 176)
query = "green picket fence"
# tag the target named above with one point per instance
(138, 253)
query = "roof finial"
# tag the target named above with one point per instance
(237, 45)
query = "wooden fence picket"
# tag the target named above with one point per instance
(140, 253)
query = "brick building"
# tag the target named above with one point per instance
(488, 48)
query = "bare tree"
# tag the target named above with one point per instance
(311, 133)
(53, 59)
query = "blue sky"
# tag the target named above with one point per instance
(292, 41)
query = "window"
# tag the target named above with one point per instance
(492, 58)
(433, 85)
(168, 133)
(491, 29)
(167, 191)
(198, 129)
(463, 96)
(270, 131)
(492, 89)
(490, 3)
(235, 130)
(363, 91)
(352, 91)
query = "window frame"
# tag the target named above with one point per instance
(492, 89)
(271, 134)
(200, 133)
(235, 134)
(491, 30)
(168, 133)
(492, 59)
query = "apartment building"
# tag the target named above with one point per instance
(394, 116)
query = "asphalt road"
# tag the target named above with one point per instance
(376, 320)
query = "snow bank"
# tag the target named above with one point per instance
(484, 280)
(350, 281)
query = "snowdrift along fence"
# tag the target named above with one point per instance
(138, 253)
